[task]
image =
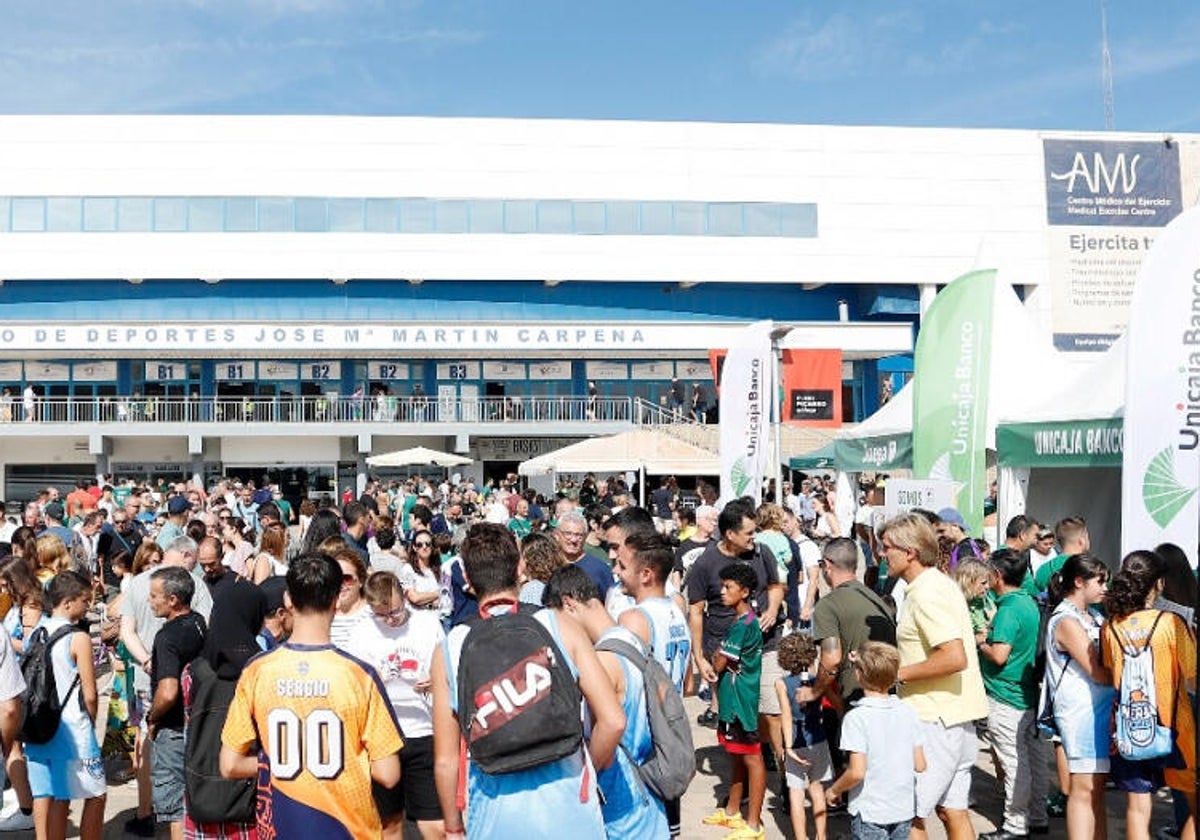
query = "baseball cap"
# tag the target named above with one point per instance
(177, 505)
(952, 517)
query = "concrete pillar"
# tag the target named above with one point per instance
(360, 463)
(928, 292)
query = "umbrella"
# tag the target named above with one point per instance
(418, 456)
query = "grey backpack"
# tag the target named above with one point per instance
(670, 768)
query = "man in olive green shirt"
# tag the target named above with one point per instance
(1006, 659)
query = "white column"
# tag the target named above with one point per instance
(928, 293)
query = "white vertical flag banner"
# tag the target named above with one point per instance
(746, 382)
(1161, 470)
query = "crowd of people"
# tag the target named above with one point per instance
(278, 671)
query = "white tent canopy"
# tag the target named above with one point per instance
(654, 452)
(417, 456)
(893, 418)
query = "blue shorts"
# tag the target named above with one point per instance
(166, 775)
(1136, 776)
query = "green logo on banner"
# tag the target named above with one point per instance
(1162, 493)
(739, 476)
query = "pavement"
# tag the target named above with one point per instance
(708, 790)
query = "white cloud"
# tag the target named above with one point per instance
(842, 45)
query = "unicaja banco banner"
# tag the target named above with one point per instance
(953, 369)
(1161, 469)
(747, 379)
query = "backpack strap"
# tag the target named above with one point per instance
(62, 633)
(625, 650)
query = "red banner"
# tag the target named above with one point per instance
(716, 360)
(812, 387)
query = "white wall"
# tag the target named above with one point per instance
(896, 205)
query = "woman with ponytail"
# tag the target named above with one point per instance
(1079, 688)
(1135, 624)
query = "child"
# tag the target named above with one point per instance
(807, 763)
(974, 577)
(738, 662)
(882, 736)
(69, 766)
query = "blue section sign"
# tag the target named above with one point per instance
(1104, 182)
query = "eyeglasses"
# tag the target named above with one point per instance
(224, 518)
(572, 535)
(394, 617)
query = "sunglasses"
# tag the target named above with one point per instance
(423, 544)
(349, 579)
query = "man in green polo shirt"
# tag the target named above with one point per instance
(1072, 537)
(1011, 683)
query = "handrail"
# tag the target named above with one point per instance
(317, 409)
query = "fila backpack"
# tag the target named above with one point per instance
(518, 702)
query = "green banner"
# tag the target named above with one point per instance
(1070, 443)
(818, 459)
(874, 454)
(952, 367)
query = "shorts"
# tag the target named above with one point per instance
(950, 753)
(768, 698)
(736, 740)
(166, 775)
(860, 829)
(1136, 776)
(416, 794)
(67, 779)
(818, 769)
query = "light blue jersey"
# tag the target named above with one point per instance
(549, 801)
(630, 809)
(670, 638)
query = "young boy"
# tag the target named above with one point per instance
(68, 766)
(883, 738)
(807, 762)
(738, 663)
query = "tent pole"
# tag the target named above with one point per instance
(641, 485)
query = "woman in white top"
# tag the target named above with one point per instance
(272, 550)
(1080, 688)
(421, 576)
(826, 525)
(238, 549)
(353, 613)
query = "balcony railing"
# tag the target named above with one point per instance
(324, 409)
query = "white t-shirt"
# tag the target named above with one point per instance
(402, 656)
(349, 630)
(11, 681)
(810, 558)
(886, 731)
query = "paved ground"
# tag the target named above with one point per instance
(708, 789)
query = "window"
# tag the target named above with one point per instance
(416, 215)
(28, 215)
(346, 215)
(487, 216)
(135, 214)
(622, 218)
(310, 215)
(590, 217)
(656, 218)
(170, 214)
(520, 216)
(691, 219)
(241, 214)
(63, 214)
(451, 217)
(554, 217)
(100, 214)
(204, 215)
(762, 220)
(725, 219)
(275, 214)
(381, 215)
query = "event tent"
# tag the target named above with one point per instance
(649, 450)
(1061, 455)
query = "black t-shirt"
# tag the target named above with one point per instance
(661, 500)
(688, 552)
(704, 584)
(178, 642)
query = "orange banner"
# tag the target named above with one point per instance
(812, 387)
(716, 359)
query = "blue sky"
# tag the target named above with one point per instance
(1023, 63)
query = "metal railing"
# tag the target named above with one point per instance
(326, 409)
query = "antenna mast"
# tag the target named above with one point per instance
(1106, 63)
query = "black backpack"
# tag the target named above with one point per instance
(211, 798)
(518, 702)
(43, 709)
(670, 768)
